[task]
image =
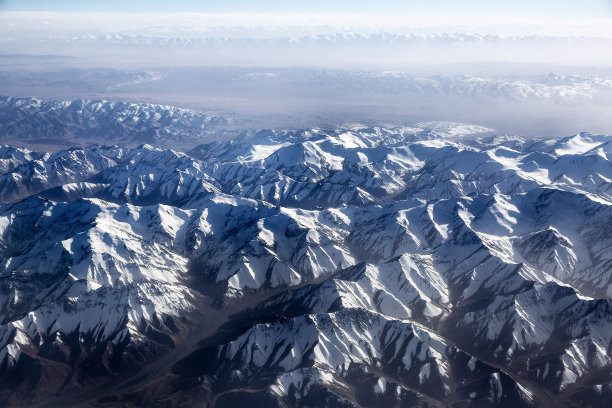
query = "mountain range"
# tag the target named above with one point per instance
(51, 123)
(434, 265)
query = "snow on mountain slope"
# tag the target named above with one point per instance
(353, 267)
(144, 176)
(90, 288)
(40, 172)
(337, 345)
(11, 157)
(246, 247)
(47, 122)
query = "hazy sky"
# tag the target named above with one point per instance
(544, 9)
(535, 31)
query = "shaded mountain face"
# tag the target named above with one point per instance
(350, 267)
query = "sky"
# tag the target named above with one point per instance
(543, 9)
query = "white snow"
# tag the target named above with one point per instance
(381, 386)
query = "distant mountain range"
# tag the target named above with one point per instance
(47, 124)
(234, 37)
(435, 265)
(33, 121)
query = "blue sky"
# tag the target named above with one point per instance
(544, 9)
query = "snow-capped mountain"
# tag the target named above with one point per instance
(438, 264)
(33, 121)
(234, 37)
(552, 87)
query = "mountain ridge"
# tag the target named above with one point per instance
(348, 267)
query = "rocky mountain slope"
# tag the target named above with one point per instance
(430, 266)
